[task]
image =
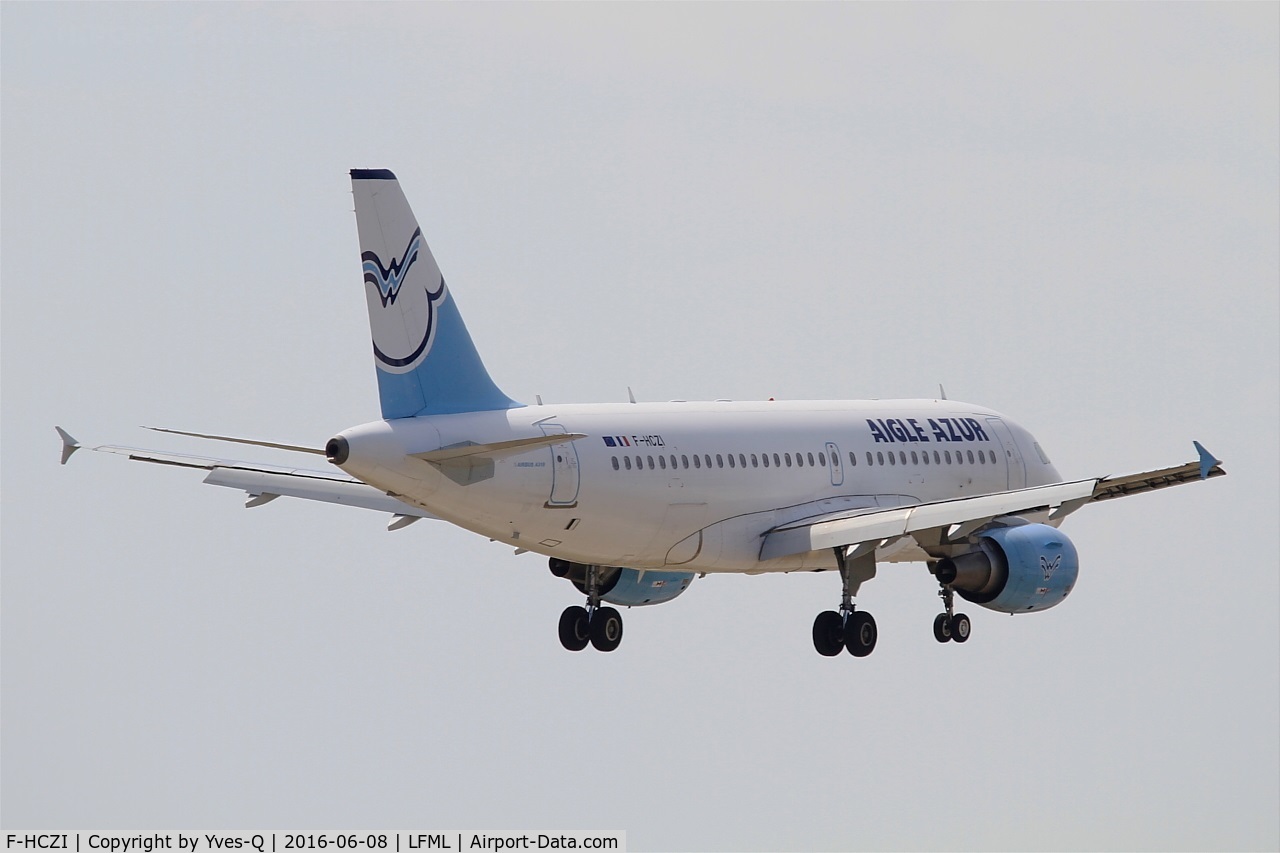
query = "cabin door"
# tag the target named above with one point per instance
(834, 465)
(564, 470)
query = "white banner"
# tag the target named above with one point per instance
(454, 840)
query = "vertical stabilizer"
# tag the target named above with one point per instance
(426, 362)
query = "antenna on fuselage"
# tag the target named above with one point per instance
(631, 395)
(942, 392)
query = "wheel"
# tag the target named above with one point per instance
(942, 628)
(560, 568)
(959, 627)
(574, 631)
(828, 633)
(860, 634)
(606, 629)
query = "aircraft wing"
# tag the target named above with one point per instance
(867, 529)
(264, 483)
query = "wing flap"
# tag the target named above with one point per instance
(817, 534)
(263, 483)
(1135, 484)
(345, 493)
(962, 516)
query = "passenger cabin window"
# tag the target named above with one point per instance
(970, 457)
(799, 460)
(880, 457)
(810, 456)
(787, 457)
(684, 461)
(853, 460)
(731, 465)
(755, 463)
(742, 460)
(662, 462)
(902, 454)
(869, 462)
(822, 458)
(764, 457)
(924, 455)
(891, 459)
(615, 462)
(937, 460)
(627, 460)
(719, 461)
(697, 461)
(777, 463)
(947, 453)
(707, 458)
(650, 463)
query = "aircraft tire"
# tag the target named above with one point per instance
(960, 628)
(942, 628)
(860, 634)
(828, 633)
(606, 629)
(574, 629)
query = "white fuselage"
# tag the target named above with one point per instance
(694, 486)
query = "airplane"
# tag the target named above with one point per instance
(630, 502)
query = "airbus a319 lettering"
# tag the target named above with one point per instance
(631, 502)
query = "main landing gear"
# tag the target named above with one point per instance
(950, 625)
(850, 629)
(599, 626)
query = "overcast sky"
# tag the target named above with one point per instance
(1065, 212)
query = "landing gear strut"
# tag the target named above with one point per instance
(950, 625)
(850, 629)
(599, 626)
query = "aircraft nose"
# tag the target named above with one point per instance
(337, 450)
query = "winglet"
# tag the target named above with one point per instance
(69, 444)
(1207, 460)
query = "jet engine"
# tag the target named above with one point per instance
(626, 587)
(1014, 569)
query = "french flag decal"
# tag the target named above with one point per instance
(609, 442)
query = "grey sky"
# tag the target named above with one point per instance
(1066, 212)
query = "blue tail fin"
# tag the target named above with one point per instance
(427, 364)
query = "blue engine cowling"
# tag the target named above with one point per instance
(634, 588)
(1015, 569)
(626, 587)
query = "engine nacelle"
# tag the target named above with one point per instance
(626, 587)
(1015, 569)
